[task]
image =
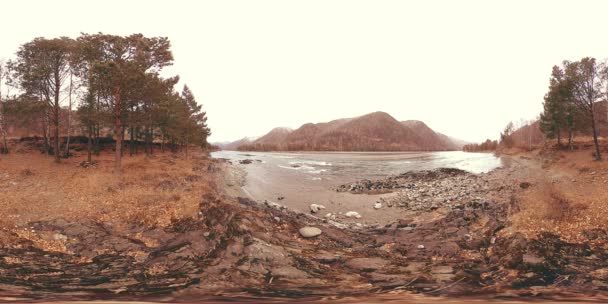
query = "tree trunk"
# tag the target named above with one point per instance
(90, 144)
(598, 155)
(67, 143)
(147, 141)
(4, 149)
(118, 133)
(151, 132)
(56, 117)
(131, 147)
(162, 142)
(559, 139)
(45, 136)
(570, 137)
(96, 140)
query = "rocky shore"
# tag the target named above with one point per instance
(237, 246)
(425, 190)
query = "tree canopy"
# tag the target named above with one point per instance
(117, 84)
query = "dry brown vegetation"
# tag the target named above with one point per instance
(153, 192)
(571, 200)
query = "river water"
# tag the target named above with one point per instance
(311, 177)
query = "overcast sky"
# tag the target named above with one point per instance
(466, 68)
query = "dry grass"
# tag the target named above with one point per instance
(573, 199)
(151, 191)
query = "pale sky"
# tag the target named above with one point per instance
(466, 68)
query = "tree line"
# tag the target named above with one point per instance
(101, 83)
(572, 104)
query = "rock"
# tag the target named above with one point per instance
(325, 257)
(310, 232)
(442, 269)
(600, 274)
(420, 246)
(206, 234)
(532, 259)
(314, 208)
(352, 214)
(377, 205)
(273, 205)
(59, 237)
(524, 185)
(598, 283)
(366, 264)
(246, 161)
(289, 272)
(280, 198)
(442, 273)
(415, 267)
(278, 219)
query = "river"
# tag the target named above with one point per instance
(303, 178)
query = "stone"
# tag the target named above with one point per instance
(310, 232)
(366, 264)
(59, 237)
(532, 259)
(600, 274)
(442, 273)
(325, 257)
(314, 208)
(352, 214)
(442, 269)
(377, 205)
(420, 246)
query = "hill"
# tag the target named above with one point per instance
(234, 144)
(376, 131)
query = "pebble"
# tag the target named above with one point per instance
(354, 214)
(314, 208)
(310, 232)
(420, 246)
(377, 205)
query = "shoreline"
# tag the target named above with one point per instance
(238, 247)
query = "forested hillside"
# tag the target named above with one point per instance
(376, 131)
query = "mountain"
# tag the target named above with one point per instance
(376, 131)
(276, 135)
(430, 138)
(458, 143)
(235, 144)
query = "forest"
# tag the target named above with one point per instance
(98, 88)
(576, 101)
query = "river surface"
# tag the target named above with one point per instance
(312, 177)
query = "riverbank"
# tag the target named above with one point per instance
(475, 231)
(301, 180)
(474, 245)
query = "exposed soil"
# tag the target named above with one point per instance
(242, 248)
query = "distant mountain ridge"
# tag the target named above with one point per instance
(376, 131)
